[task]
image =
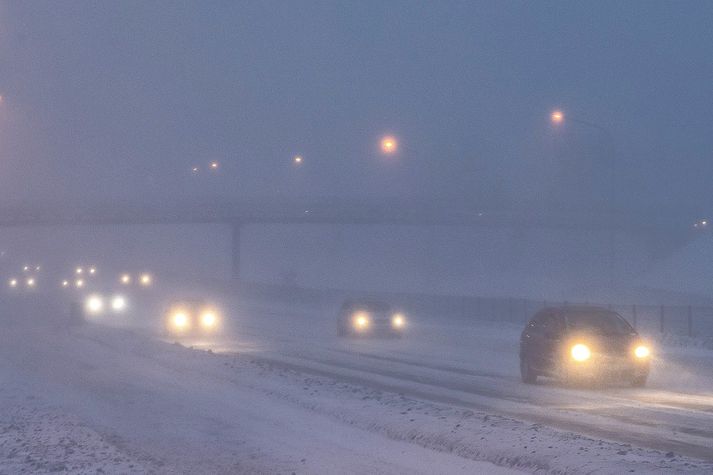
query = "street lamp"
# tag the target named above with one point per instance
(557, 118)
(297, 160)
(389, 145)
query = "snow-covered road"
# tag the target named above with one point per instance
(282, 394)
(475, 366)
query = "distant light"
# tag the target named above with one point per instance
(13, 283)
(214, 165)
(557, 117)
(92, 270)
(194, 169)
(65, 283)
(31, 282)
(297, 160)
(37, 268)
(145, 280)
(125, 279)
(79, 270)
(398, 321)
(79, 283)
(26, 268)
(94, 304)
(118, 303)
(209, 319)
(180, 320)
(389, 145)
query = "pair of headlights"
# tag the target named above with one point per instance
(581, 352)
(96, 304)
(362, 321)
(182, 320)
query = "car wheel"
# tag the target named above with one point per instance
(639, 381)
(526, 372)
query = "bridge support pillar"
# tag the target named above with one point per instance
(235, 234)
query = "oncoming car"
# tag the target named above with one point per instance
(585, 344)
(97, 305)
(192, 317)
(370, 318)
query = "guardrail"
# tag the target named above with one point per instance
(684, 320)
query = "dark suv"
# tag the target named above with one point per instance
(582, 343)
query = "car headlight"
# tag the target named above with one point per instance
(209, 319)
(180, 320)
(145, 279)
(94, 304)
(398, 321)
(118, 303)
(642, 351)
(580, 352)
(361, 320)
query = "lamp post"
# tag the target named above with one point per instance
(558, 118)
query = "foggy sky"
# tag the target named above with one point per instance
(118, 100)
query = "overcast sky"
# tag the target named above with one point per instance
(119, 100)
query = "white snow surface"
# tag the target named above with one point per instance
(281, 394)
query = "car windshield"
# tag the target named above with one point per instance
(378, 307)
(599, 321)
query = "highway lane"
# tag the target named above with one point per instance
(475, 366)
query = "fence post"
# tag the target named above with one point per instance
(635, 316)
(661, 322)
(690, 321)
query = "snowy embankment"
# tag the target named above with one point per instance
(86, 398)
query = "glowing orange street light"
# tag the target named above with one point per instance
(557, 117)
(389, 145)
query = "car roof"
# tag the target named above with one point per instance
(370, 304)
(569, 309)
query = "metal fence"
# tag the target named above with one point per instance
(685, 320)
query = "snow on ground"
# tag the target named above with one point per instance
(48, 440)
(93, 397)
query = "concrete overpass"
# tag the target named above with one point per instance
(662, 232)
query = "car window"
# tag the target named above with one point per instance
(553, 323)
(600, 321)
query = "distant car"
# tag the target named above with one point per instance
(192, 318)
(96, 306)
(370, 318)
(585, 344)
